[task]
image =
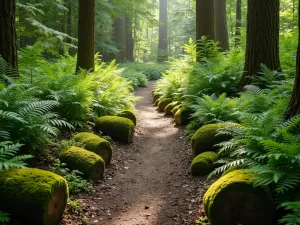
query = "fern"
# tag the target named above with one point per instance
(292, 218)
(4, 217)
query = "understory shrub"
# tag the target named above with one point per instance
(138, 79)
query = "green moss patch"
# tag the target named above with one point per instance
(170, 107)
(233, 200)
(182, 116)
(35, 195)
(175, 109)
(156, 102)
(129, 115)
(95, 144)
(206, 138)
(163, 104)
(203, 164)
(119, 128)
(89, 163)
(156, 96)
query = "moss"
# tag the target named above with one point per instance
(175, 109)
(170, 107)
(119, 128)
(156, 102)
(32, 194)
(230, 169)
(234, 200)
(89, 163)
(203, 164)
(129, 115)
(182, 116)
(95, 144)
(156, 96)
(163, 104)
(206, 138)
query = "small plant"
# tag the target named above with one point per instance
(293, 217)
(4, 217)
(75, 206)
(75, 182)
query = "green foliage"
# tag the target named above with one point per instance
(153, 71)
(213, 109)
(138, 79)
(75, 206)
(75, 182)
(4, 217)
(206, 48)
(8, 158)
(293, 217)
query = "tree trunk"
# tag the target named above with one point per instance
(262, 39)
(205, 20)
(86, 35)
(238, 23)
(162, 54)
(8, 36)
(120, 38)
(129, 39)
(221, 25)
(294, 105)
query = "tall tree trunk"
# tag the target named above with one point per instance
(8, 36)
(294, 105)
(262, 38)
(162, 54)
(238, 23)
(205, 20)
(221, 25)
(129, 39)
(86, 35)
(120, 38)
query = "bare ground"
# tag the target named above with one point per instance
(148, 181)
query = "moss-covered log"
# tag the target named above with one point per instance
(170, 107)
(206, 138)
(203, 164)
(234, 200)
(129, 115)
(156, 102)
(175, 109)
(163, 104)
(182, 116)
(95, 144)
(156, 96)
(34, 195)
(119, 128)
(89, 163)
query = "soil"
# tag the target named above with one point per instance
(148, 181)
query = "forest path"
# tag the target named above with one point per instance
(148, 182)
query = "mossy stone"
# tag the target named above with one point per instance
(175, 109)
(95, 144)
(163, 104)
(119, 128)
(156, 102)
(37, 196)
(170, 107)
(206, 138)
(233, 200)
(203, 164)
(182, 116)
(230, 169)
(129, 115)
(88, 163)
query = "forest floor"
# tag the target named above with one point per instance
(148, 181)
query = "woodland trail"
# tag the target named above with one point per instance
(148, 182)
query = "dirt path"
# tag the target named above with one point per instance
(148, 181)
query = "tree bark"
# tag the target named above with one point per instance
(120, 38)
(8, 36)
(162, 54)
(221, 25)
(262, 39)
(86, 35)
(129, 39)
(205, 20)
(294, 104)
(238, 23)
